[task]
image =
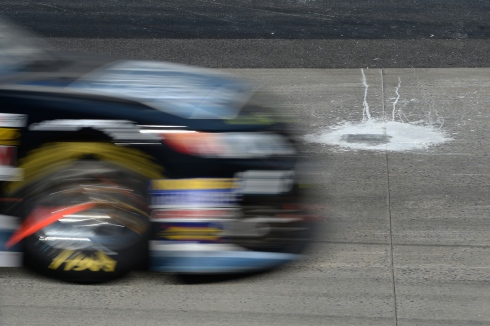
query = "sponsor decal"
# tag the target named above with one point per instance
(246, 145)
(168, 215)
(13, 256)
(69, 260)
(9, 136)
(193, 184)
(193, 198)
(8, 171)
(225, 192)
(200, 192)
(12, 120)
(202, 232)
(202, 225)
(257, 182)
(7, 155)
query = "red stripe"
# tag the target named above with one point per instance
(26, 229)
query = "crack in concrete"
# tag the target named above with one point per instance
(388, 193)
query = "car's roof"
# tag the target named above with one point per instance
(183, 91)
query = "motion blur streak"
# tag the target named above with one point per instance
(32, 225)
(137, 153)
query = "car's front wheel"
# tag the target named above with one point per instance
(85, 222)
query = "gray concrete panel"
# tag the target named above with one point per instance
(440, 196)
(439, 285)
(256, 53)
(337, 284)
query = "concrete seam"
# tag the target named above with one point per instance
(390, 238)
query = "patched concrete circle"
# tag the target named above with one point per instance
(380, 136)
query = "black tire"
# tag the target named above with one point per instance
(104, 226)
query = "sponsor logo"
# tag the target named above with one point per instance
(12, 120)
(7, 155)
(193, 198)
(209, 192)
(193, 184)
(187, 233)
(7, 162)
(197, 225)
(199, 192)
(9, 136)
(265, 182)
(202, 232)
(191, 214)
(77, 261)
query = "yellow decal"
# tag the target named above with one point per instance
(193, 184)
(186, 233)
(77, 261)
(9, 136)
(54, 156)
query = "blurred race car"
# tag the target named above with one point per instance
(109, 165)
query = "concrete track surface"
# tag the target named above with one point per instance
(406, 234)
(268, 33)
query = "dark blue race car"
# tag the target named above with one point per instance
(109, 165)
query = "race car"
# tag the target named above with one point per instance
(108, 165)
